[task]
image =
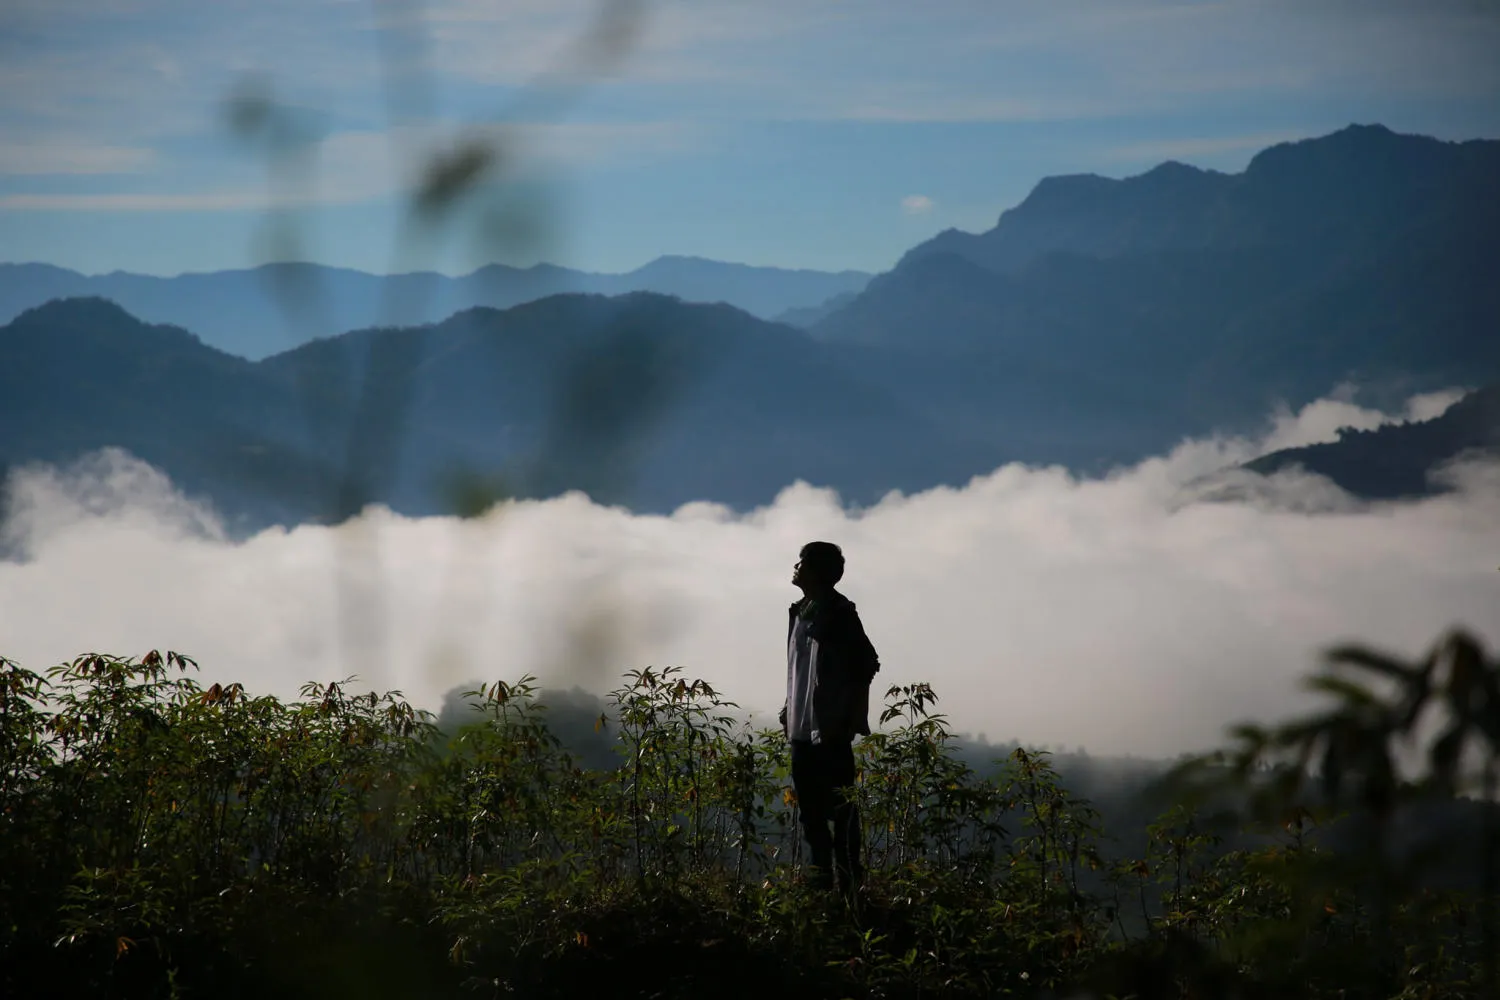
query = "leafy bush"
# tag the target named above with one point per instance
(159, 838)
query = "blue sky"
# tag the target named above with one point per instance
(803, 133)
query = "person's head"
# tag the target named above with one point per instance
(819, 567)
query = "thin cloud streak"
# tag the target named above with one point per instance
(1193, 147)
(201, 201)
(953, 62)
(356, 167)
(42, 156)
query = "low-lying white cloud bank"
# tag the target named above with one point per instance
(1107, 613)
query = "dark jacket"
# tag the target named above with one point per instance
(846, 664)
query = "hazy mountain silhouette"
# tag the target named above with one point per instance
(241, 311)
(1201, 300)
(1400, 460)
(82, 374)
(640, 399)
(807, 316)
(1362, 255)
(1317, 194)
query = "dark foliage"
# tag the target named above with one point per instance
(163, 839)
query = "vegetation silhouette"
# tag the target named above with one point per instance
(161, 838)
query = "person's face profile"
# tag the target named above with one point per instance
(807, 572)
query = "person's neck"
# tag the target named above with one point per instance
(810, 593)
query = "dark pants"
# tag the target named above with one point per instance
(823, 777)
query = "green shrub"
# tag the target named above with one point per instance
(159, 838)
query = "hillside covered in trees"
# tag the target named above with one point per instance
(1401, 460)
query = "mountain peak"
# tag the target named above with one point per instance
(1372, 131)
(1172, 170)
(1068, 190)
(671, 261)
(91, 322)
(1351, 148)
(91, 310)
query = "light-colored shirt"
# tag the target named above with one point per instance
(801, 681)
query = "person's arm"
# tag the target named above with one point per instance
(864, 662)
(853, 665)
(791, 623)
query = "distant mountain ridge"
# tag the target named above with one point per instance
(240, 311)
(1363, 256)
(1314, 193)
(640, 399)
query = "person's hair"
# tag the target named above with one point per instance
(829, 559)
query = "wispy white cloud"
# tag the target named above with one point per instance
(1060, 610)
(205, 201)
(1322, 419)
(1431, 404)
(50, 156)
(672, 41)
(913, 106)
(958, 60)
(917, 204)
(362, 166)
(122, 73)
(390, 160)
(125, 72)
(961, 61)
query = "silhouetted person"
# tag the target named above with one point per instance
(830, 663)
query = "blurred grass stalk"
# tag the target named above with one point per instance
(465, 188)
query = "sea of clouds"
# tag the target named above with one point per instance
(1127, 614)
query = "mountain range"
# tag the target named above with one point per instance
(1362, 256)
(265, 310)
(638, 399)
(1099, 322)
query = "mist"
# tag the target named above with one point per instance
(1138, 613)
